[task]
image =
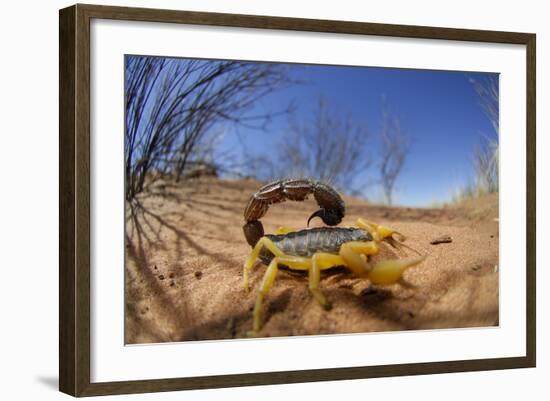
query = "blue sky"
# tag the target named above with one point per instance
(439, 110)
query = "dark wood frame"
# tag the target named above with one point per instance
(74, 199)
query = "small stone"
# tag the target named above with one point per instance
(161, 277)
(171, 275)
(198, 275)
(172, 284)
(444, 239)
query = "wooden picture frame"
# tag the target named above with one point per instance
(74, 199)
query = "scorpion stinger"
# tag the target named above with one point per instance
(330, 217)
(332, 207)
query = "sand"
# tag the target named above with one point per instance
(185, 251)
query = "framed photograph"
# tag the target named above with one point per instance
(250, 200)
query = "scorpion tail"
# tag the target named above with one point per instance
(253, 231)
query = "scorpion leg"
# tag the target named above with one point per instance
(293, 262)
(263, 242)
(383, 272)
(321, 261)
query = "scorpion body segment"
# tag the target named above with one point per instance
(331, 205)
(305, 243)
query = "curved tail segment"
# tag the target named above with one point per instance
(331, 205)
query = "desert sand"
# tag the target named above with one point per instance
(185, 251)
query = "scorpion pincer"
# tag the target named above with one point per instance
(316, 249)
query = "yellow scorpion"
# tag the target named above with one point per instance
(316, 249)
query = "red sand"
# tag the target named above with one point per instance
(185, 251)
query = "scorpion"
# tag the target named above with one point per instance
(313, 250)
